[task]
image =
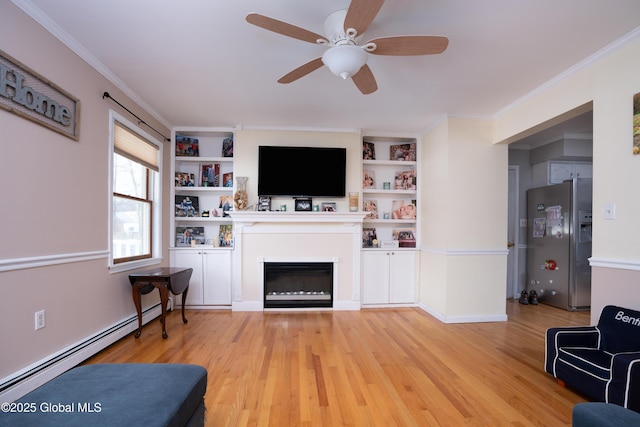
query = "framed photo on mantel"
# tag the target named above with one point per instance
(303, 204)
(264, 203)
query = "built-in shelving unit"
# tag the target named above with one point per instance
(202, 237)
(389, 189)
(209, 194)
(390, 230)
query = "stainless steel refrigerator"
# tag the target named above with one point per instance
(559, 243)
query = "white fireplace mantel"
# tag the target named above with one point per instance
(296, 236)
(250, 217)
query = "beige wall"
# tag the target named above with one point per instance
(246, 146)
(54, 209)
(610, 83)
(464, 216)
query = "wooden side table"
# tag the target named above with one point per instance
(165, 279)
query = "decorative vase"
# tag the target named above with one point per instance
(241, 199)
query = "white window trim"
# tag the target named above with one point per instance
(156, 214)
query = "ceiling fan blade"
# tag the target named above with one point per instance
(284, 28)
(302, 71)
(364, 80)
(361, 14)
(409, 45)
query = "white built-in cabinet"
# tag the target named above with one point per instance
(389, 276)
(210, 283)
(210, 255)
(390, 180)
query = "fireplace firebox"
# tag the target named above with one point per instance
(298, 284)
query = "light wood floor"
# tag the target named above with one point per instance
(384, 367)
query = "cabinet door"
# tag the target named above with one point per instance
(559, 172)
(375, 278)
(584, 170)
(217, 277)
(194, 260)
(402, 277)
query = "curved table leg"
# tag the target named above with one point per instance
(164, 297)
(184, 298)
(135, 291)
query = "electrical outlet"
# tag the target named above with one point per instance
(39, 319)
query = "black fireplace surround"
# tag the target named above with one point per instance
(298, 284)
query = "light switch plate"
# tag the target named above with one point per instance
(610, 211)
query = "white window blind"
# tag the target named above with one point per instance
(134, 147)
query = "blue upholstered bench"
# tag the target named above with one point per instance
(115, 395)
(599, 414)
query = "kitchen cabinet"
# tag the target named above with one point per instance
(555, 172)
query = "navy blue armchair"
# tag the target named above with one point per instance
(603, 361)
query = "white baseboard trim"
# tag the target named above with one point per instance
(24, 381)
(389, 305)
(464, 319)
(346, 305)
(247, 306)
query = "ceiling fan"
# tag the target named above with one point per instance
(345, 57)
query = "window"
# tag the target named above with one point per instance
(135, 196)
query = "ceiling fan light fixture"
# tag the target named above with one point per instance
(344, 60)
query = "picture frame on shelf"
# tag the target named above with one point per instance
(368, 179)
(328, 207)
(403, 152)
(187, 146)
(226, 204)
(368, 150)
(225, 235)
(227, 180)
(210, 175)
(371, 208)
(405, 237)
(405, 180)
(227, 147)
(401, 209)
(369, 238)
(389, 244)
(186, 206)
(186, 236)
(636, 124)
(184, 179)
(302, 204)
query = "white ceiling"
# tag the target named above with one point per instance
(199, 63)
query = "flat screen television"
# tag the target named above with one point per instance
(301, 171)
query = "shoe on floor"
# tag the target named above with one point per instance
(524, 298)
(533, 298)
